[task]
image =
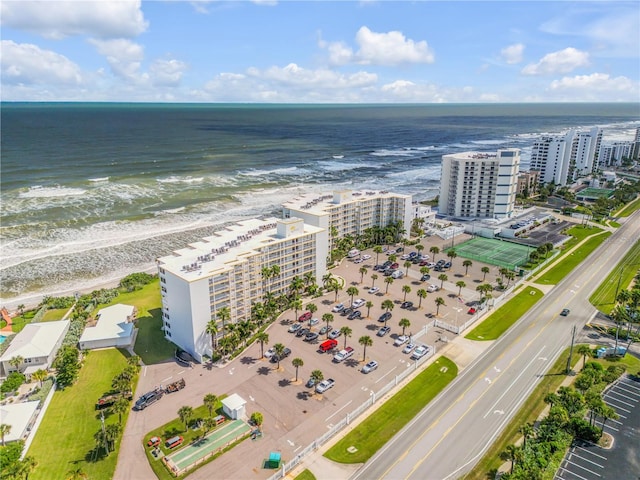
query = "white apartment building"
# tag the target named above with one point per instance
(562, 159)
(351, 213)
(612, 154)
(479, 185)
(225, 270)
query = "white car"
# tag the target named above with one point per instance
(419, 352)
(325, 385)
(342, 355)
(366, 257)
(370, 367)
(358, 303)
(374, 290)
(334, 334)
(402, 339)
(408, 348)
(338, 308)
(269, 353)
(432, 288)
(314, 321)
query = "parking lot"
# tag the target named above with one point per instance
(586, 461)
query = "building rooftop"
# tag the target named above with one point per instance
(112, 322)
(18, 415)
(35, 340)
(221, 250)
(234, 401)
(320, 203)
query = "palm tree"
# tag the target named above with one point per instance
(262, 337)
(424, 270)
(388, 281)
(388, 305)
(335, 287)
(278, 348)
(21, 310)
(40, 376)
(407, 264)
(369, 304)
(422, 294)
(466, 264)
(312, 307)
(77, 474)
(527, 432)
(212, 329)
(374, 277)
(210, 401)
(352, 292)
(377, 250)
(585, 351)
(266, 274)
(327, 279)
(460, 284)
(363, 271)
(185, 414)
(404, 323)
(112, 431)
(297, 284)
(406, 289)
(275, 272)
(327, 318)
(5, 429)
(606, 414)
(365, 341)
(484, 270)
(27, 466)
(317, 376)
(224, 314)
(434, 250)
(121, 406)
(296, 305)
(443, 278)
(452, 254)
(346, 332)
(439, 302)
(510, 276)
(420, 247)
(297, 363)
(510, 454)
(16, 361)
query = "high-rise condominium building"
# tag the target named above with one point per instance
(479, 184)
(351, 213)
(612, 154)
(562, 159)
(225, 270)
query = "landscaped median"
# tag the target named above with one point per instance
(368, 437)
(501, 319)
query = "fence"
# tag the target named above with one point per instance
(318, 442)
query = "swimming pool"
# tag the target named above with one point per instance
(2, 339)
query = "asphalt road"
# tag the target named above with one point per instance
(452, 433)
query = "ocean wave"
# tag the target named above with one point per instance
(38, 191)
(99, 180)
(488, 142)
(177, 179)
(414, 174)
(287, 171)
(333, 166)
(404, 152)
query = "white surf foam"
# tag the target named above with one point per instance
(39, 191)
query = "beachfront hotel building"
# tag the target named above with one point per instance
(479, 184)
(225, 270)
(351, 212)
(562, 159)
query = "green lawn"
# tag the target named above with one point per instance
(151, 346)
(629, 209)
(505, 316)
(19, 321)
(387, 420)
(571, 260)
(620, 278)
(64, 441)
(305, 475)
(54, 314)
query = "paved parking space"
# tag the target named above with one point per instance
(586, 461)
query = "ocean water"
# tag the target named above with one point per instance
(91, 192)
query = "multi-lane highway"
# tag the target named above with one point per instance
(451, 434)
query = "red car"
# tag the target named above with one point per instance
(305, 317)
(471, 311)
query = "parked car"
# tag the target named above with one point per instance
(373, 290)
(431, 264)
(424, 263)
(310, 383)
(328, 345)
(304, 317)
(406, 304)
(366, 257)
(387, 264)
(472, 310)
(295, 327)
(338, 308)
(355, 314)
(346, 311)
(334, 334)
(383, 331)
(269, 353)
(425, 277)
(302, 332)
(148, 398)
(285, 354)
(419, 352)
(358, 303)
(385, 317)
(401, 340)
(323, 330)
(432, 288)
(310, 337)
(342, 355)
(397, 274)
(408, 348)
(447, 265)
(325, 385)
(370, 367)
(565, 312)
(395, 265)
(314, 321)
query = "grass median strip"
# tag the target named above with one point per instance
(500, 320)
(368, 437)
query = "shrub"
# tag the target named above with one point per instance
(135, 281)
(10, 458)
(584, 430)
(41, 393)
(13, 382)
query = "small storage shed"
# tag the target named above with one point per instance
(233, 406)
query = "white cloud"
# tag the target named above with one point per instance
(124, 56)
(167, 73)
(29, 65)
(58, 19)
(513, 53)
(295, 76)
(339, 53)
(391, 48)
(597, 87)
(562, 61)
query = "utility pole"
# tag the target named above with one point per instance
(573, 337)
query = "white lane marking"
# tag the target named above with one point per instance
(251, 398)
(499, 412)
(181, 371)
(165, 379)
(385, 375)
(336, 412)
(496, 369)
(144, 374)
(488, 380)
(291, 443)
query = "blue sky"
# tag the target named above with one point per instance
(320, 52)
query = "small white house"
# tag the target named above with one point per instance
(37, 345)
(233, 406)
(114, 328)
(21, 417)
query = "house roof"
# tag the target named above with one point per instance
(113, 322)
(18, 415)
(36, 340)
(234, 402)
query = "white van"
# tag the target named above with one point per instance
(353, 253)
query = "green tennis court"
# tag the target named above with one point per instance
(494, 252)
(196, 452)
